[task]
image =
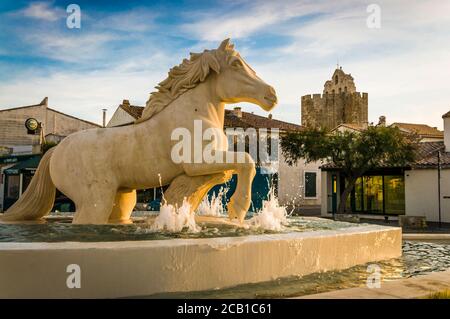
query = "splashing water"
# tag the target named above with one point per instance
(174, 219)
(272, 216)
(213, 206)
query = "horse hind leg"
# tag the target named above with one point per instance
(94, 207)
(124, 203)
(193, 188)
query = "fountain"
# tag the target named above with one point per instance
(104, 252)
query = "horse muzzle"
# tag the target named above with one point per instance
(270, 98)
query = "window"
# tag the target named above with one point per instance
(310, 184)
(336, 79)
(13, 186)
(394, 189)
(378, 194)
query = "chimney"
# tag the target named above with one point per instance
(382, 121)
(104, 117)
(446, 118)
(126, 102)
(270, 116)
(237, 111)
(44, 102)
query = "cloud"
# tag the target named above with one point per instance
(70, 46)
(78, 94)
(247, 19)
(403, 66)
(345, 30)
(42, 11)
(134, 20)
(85, 93)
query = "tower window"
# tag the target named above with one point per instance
(336, 79)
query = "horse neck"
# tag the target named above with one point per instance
(203, 102)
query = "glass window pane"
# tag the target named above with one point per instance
(355, 200)
(394, 188)
(310, 184)
(359, 194)
(373, 194)
(13, 186)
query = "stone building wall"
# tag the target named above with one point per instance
(12, 124)
(330, 110)
(339, 103)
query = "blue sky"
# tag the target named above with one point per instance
(124, 48)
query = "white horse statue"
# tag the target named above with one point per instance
(101, 169)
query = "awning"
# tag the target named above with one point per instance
(30, 164)
(10, 159)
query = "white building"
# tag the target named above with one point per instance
(20, 151)
(419, 189)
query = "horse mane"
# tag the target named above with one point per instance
(184, 77)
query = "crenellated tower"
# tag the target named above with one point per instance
(339, 103)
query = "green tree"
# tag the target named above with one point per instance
(47, 145)
(354, 153)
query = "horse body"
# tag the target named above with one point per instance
(101, 169)
(94, 166)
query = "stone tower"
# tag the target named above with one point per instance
(339, 103)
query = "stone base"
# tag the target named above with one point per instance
(412, 221)
(141, 268)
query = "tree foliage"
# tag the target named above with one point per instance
(47, 145)
(353, 153)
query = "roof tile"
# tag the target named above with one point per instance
(420, 129)
(231, 120)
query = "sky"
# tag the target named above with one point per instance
(124, 48)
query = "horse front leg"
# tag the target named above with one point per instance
(193, 188)
(240, 163)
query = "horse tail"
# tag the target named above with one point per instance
(38, 199)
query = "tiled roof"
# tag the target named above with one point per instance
(420, 129)
(356, 127)
(446, 114)
(257, 121)
(134, 110)
(428, 158)
(231, 120)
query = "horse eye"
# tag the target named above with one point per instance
(237, 63)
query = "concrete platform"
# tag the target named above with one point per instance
(141, 268)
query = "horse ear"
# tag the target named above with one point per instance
(224, 45)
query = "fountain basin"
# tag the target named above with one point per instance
(143, 268)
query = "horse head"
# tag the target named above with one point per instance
(237, 81)
(232, 80)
